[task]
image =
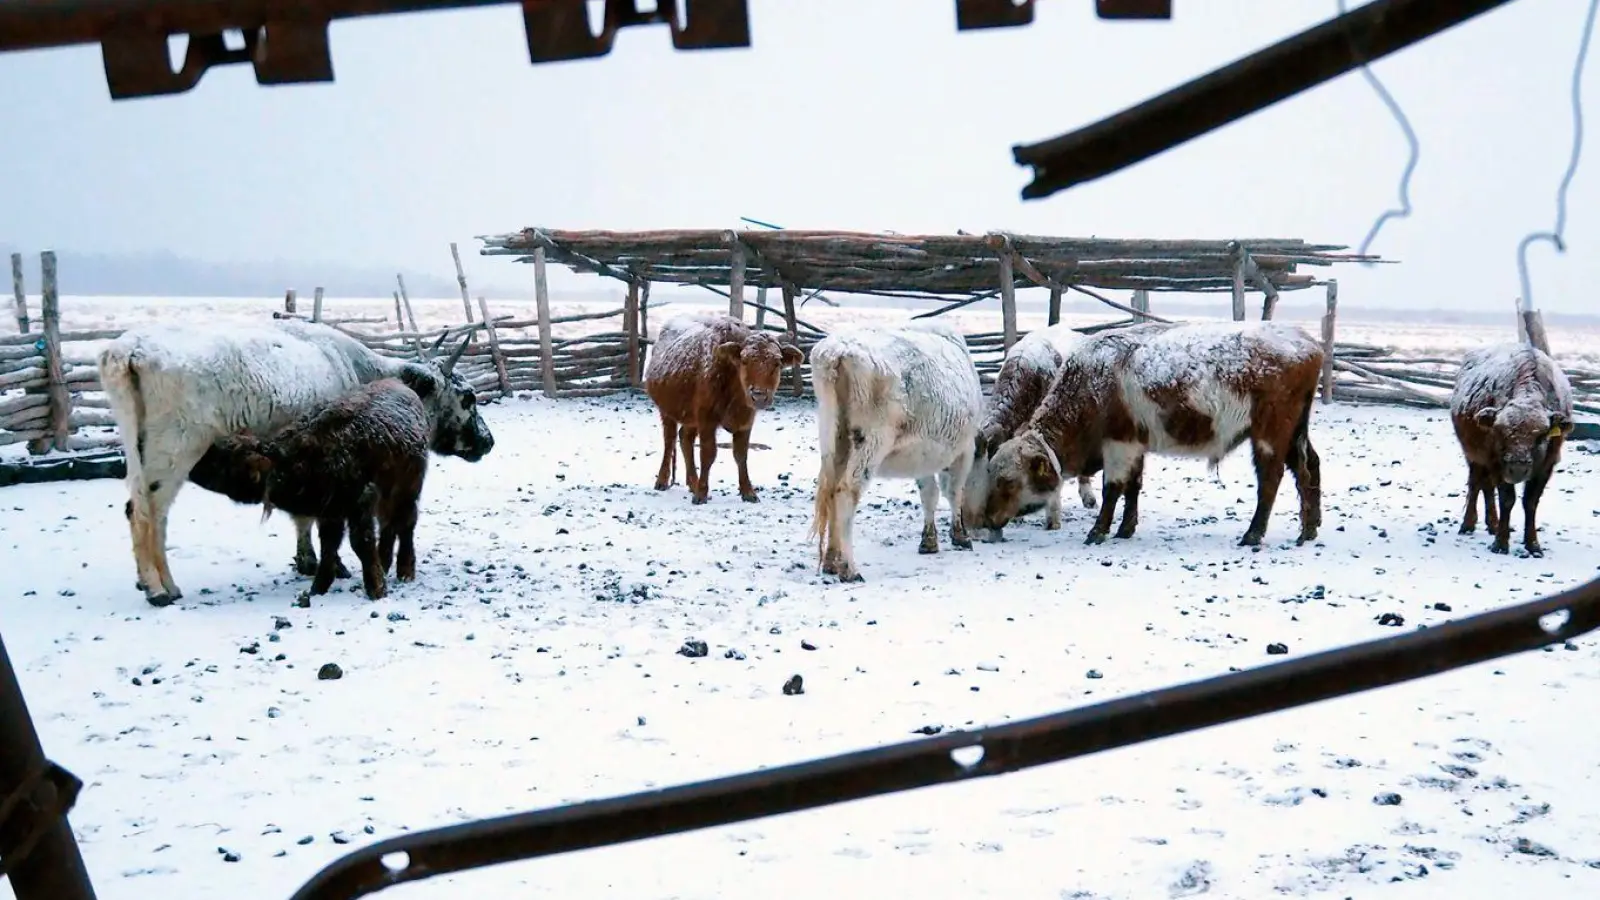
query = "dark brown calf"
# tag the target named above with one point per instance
(1180, 390)
(359, 461)
(707, 372)
(1512, 412)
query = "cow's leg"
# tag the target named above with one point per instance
(364, 544)
(1121, 460)
(1052, 510)
(708, 455)
(1475, 485)
(928, 487)
(841, 543)
(955, 493)
(1491, 512)
(1531, 492)
(1307, 468)
(686, 435)
(1086, 492)
(388, 532)
(1269, 461)
(330, 533)
(669, 452)
(305, 556)
(1502, 535)
(1130, 501)
(166, 463)
(406, 525)
(741, 456)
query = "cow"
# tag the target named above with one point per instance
(897, 402)
(1019, 387)
(1195, 390)
(1512, 412)
(707, 372)
(360, 460)
(176, 389)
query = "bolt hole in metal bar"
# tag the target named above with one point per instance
(957, 756)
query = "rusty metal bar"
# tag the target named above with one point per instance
(37, 850)
(1249, 85)
(955, 756)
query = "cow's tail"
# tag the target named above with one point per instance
(831, 377)
(119, 378)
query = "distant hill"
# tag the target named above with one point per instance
(165, 274)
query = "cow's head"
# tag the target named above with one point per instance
(452, 404)
(236, 467)
(1520, 435)
(1023, 474)
(759, 361)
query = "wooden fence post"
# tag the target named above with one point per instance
(1530, 326)
(735, 276)
(1008, 300)
(1141, 303)
(288, 301)
(494, 348)
(55, 375)
(461, 281)
(644, 312)
(630, 326)
(1327, 340)
(1054, 315)
(761, 308)
(793, 334)
(411, 317)
(20, 296)
(1238, 285)
(541, 296)
(316, 305)
(400, 326)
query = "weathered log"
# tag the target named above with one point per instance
(55, 381)
(494, 337)
(19, 296)
(1330, 347)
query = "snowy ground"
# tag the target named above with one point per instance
(535, 663)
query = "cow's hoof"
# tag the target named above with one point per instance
(928, 547)
(1250, 539)
(138, 586)
(339, 571)
(751, 497)
(663, 485)
(304, 565)
(1306, 537)
(406, 575)
(698, 499)
(851, 578)
(1534, 550)
(1090, 503)
(1095, 537)
(1466, 529)
(1498, 547)
(1123, 534)
(160, 601)
(1052, 526)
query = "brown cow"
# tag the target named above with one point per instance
(1512, 412)
(707, 372)
(1196, 390)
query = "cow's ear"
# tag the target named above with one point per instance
(420, 380)
(1485, 416)
(1559, 425)
(1041, 468)
(729, 351)
(258, 464)
(792, 355)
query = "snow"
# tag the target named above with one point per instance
(1489, 374)
(534, 663)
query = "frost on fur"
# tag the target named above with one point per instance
(896, 402)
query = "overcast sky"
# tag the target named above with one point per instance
(851, 114)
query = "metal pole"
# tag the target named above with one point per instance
(52, 869)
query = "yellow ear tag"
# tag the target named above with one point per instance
(1555, 431)
(1041, 468)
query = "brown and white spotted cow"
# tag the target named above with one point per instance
(1196, 390)
(1021, 385)
(707, 372)
(1512, 412)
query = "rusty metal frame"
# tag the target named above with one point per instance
(962, 755)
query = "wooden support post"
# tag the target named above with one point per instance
(1008, 300)
(288, 301)
(761, 308)
(405, 298)
(461, 281)
(792, 332)
(1238, 286)
(541, 296)
(400, 325)
(644, 312)
(1054, 315)
(735, 276)
(494, 348)
(1141, 305)
(55, 375)
(316, 305)
(1533, 327)
(19, 296)
(1328, 319)
(630, 327)
(1522, 323)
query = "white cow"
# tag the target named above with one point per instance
(175, 389)
(900, 402)
(1020, 386)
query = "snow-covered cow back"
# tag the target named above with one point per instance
(1196, 390)
(1512, 413)
(1020, 386)
(898, 402)
(175, 389)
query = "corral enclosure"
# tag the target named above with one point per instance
(549, 653)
